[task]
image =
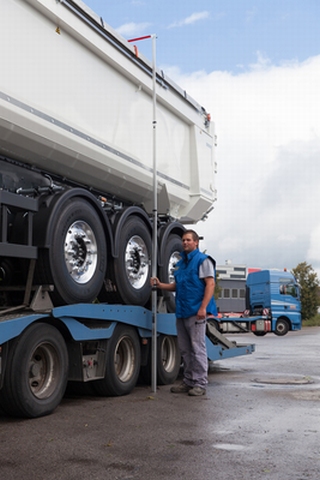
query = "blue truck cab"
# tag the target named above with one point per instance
(274, 294)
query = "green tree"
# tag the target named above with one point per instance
(309, 283)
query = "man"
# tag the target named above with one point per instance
(194, 286)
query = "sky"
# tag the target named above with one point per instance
(255, 66)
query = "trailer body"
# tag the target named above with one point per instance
(76, 101)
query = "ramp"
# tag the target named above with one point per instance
(219, 346)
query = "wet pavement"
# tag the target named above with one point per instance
(259, 420)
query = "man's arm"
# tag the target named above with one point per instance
(170, 287)
(208, 294)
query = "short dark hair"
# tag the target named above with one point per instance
(194, 234)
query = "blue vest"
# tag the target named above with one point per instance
(189, 287)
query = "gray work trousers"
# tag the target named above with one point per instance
(192, 344)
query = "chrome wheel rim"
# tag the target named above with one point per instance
(44, 371)
(137, 262)
(81, 253)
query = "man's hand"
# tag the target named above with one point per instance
(154, 282)
(202, 313)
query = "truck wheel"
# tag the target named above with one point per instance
(282, 327)
(76, 260)
(132, 267)
(260, 334)
(123, 363)
(171, 257)
(168, 361)
(36, 374)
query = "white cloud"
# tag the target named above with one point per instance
(195, 17)
(130, 29)
(268, 126)
(262, 62)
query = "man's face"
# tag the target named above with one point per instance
(188, 243)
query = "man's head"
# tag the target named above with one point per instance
(190, 241)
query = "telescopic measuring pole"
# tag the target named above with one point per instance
(155, 214)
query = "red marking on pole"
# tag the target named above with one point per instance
(139, 38)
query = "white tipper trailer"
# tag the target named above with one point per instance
(76, 146)
(76, 206)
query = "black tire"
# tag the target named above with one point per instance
(171, 256)
(168, 361)
(75, 263)
(282, 327)
(131, 270)
(36, 374)
(123, 360)
(260, 334)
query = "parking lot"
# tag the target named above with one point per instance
(259, 420)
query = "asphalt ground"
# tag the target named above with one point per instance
(259, 420)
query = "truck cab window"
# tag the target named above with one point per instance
(288, 289)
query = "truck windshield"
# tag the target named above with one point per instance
(289, 289)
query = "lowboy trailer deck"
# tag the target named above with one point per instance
(108, 345)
